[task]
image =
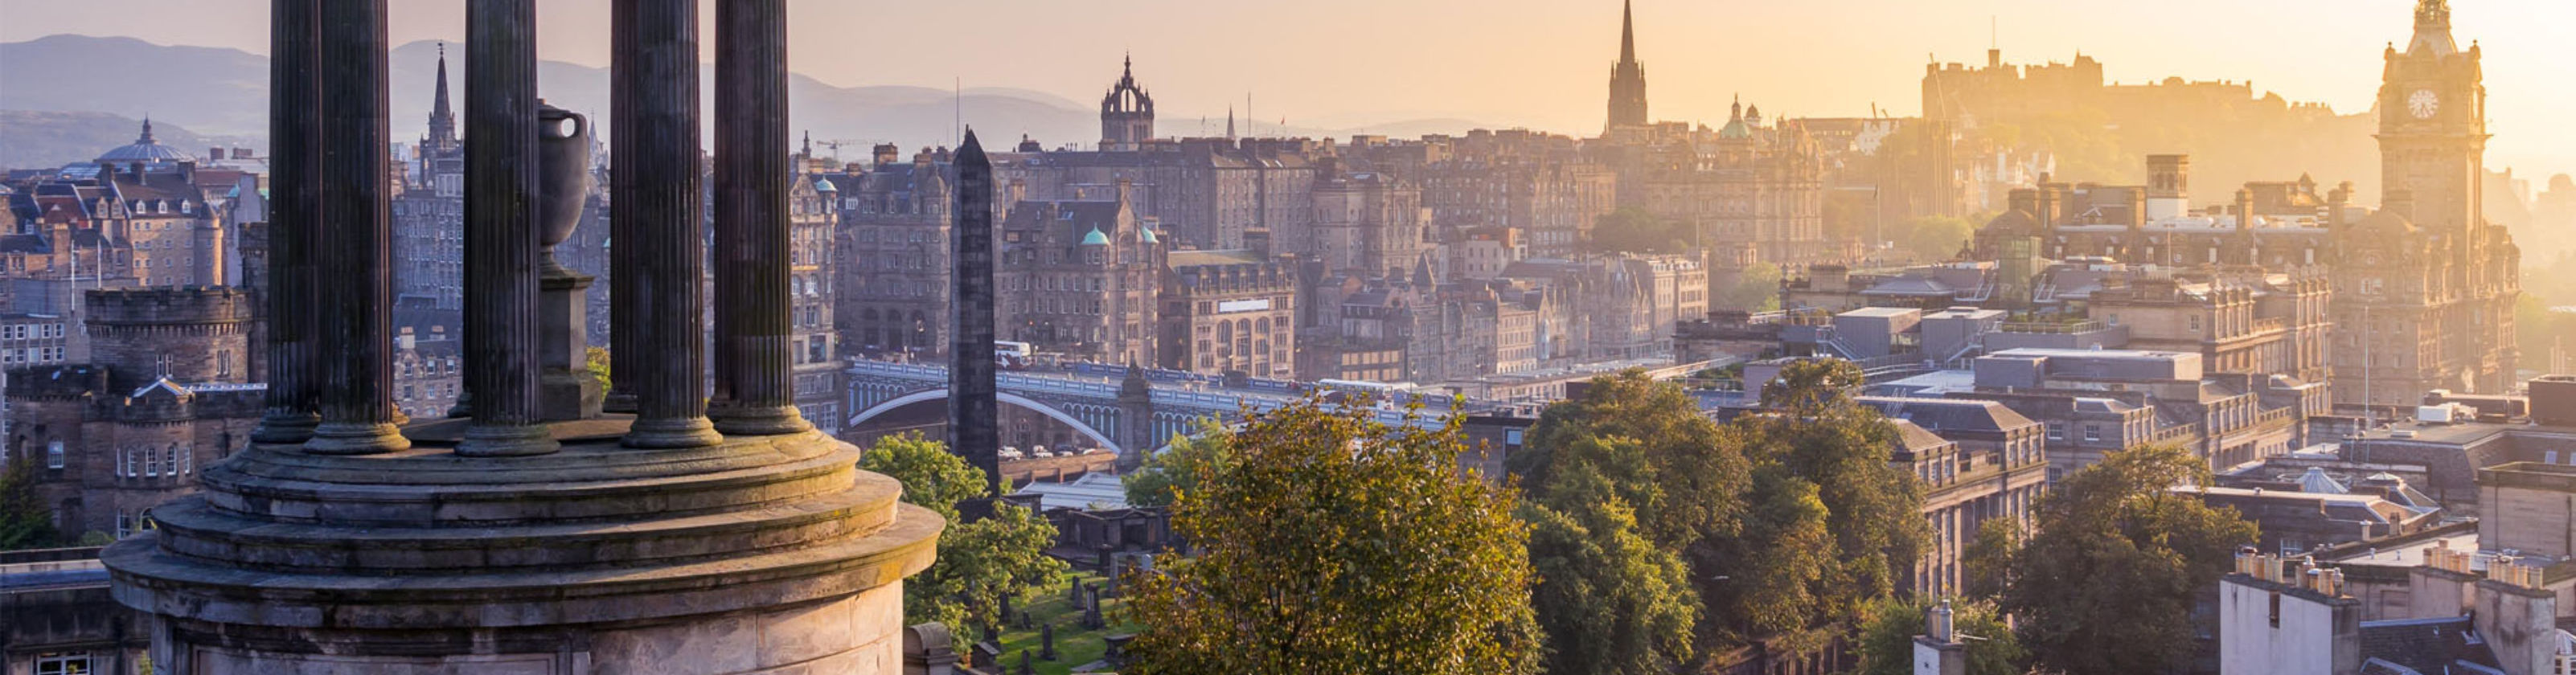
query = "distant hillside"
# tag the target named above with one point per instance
(39, 139)
(224, 91)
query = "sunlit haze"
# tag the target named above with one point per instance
(1535, 63)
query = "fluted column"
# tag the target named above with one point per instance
(623, 361)
(973, 405)
(293, 222)
(355, 338)
(667, 264)
(502, 191)
(755, 392)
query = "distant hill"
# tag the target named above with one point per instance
(41, 139)
(224, 91)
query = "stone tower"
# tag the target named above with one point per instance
(1126, 114)
(731, 539)
(2425, 287)
(1628, 78)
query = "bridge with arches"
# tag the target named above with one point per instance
(1113, 407)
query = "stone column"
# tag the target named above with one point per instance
(663, 255)
(623, 361)
(973, 424)
(755, 390)
(355, 339)
(501, 198)
(293, 222)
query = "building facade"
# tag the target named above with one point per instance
(2425, 287)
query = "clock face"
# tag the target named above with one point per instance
(2423, 103)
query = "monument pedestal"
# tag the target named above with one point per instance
(567, 388)
(761, 555)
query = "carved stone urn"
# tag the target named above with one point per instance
(563, 158)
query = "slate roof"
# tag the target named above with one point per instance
(2422, 645)
(1946, 415)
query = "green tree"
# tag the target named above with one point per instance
(1830, 525)
(1634, 230)
(1339, 544)
(980, 562)
(1936, 237)
(25, 522)
(1177, 469)
(1756, 289)
(1887, 638)
(2107, 582)
(1610, 600)
(1695, 472)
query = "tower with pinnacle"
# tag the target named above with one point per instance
(1628, 78)
(1126, 114)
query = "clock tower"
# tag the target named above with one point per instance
(2432, 124)
(2424, 288)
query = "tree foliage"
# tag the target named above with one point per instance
(1634, 230)
(1694, 472)
(25, 522)
(1936, 237)
(1339, 544)
(980, 562)
(2106, 584)
(1756, 289)
(1611, 601)
(1788, 523)
(1177, 469)
(1887, 638)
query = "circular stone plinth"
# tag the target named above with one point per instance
(293, 562)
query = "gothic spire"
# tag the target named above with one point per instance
(442, 116)
(1628, 32)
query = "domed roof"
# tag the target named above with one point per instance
(825, 185)
(1095, 238)
(1735, 129)
(144, 149)
(2384, 222)
(1150, 237)
(2014, 223)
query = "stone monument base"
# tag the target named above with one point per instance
(766, 555)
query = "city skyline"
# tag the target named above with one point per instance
(1870, 58)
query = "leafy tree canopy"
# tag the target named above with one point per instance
(1339, 544)
(1611, 601)
(2106, 583)
(980, 562)
(1887, 638)
(1177, 469)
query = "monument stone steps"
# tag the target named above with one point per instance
(192, 529)
(431, 489)
(456, 599)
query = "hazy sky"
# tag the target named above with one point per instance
(1536, 63)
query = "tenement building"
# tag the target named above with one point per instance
(891, 272)
(1229, 312)
(2425, 287)
(1081, 279)
(170, 390)
(709, 530)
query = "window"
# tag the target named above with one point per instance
(124, 524)
(54, 455)
(63, 664)
(2092, 432)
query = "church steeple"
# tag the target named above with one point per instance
(1628, 78)
(1627, 32)
(442, 116)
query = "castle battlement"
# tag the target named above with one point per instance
(162, 306)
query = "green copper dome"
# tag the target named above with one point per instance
(1095, 238)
